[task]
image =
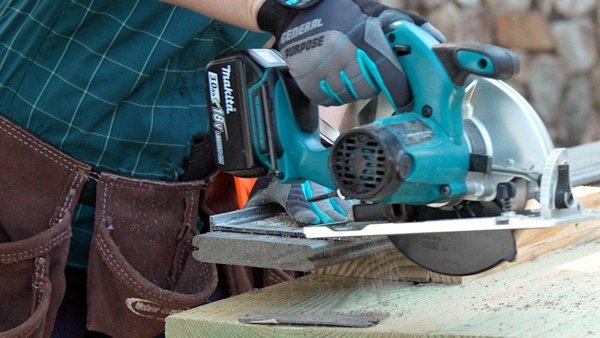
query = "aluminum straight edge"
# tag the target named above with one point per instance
(245, 215)
(584, 162)
(452, 225)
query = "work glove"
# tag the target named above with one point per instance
(337, 51)
(294, 199)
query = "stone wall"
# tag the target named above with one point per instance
(557, 41)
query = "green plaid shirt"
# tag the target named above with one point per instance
(116, 84)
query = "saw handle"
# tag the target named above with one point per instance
(479, 59)
(306, 112)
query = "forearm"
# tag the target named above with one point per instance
(241, 13)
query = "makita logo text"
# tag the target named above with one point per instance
(301, 30)
(227, 90)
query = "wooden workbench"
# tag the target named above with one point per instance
(557, 294)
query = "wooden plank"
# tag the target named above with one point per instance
(531, 243)
(554, 296)
(387, 265)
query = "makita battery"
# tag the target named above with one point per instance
(238, 129)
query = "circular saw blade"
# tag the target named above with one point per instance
(458, 253)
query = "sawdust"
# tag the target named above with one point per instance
(280, 223)
(372, 316)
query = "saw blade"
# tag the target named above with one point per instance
(458, 253)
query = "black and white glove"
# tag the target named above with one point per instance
(337, 51)
(294, 199)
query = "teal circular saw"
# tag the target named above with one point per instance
(447, 180)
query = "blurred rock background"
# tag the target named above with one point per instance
(557, 42)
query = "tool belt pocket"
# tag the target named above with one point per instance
(30, 268)
(39, 191)
(140, 268)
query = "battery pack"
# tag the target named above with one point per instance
(228, 80)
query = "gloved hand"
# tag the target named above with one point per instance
(294, 199)
(336, 50)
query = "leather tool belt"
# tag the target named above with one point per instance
(140, 267)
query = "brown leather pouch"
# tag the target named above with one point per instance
(140, 268)
(39, 189)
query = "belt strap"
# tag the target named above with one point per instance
(200, 165)
(88, 194)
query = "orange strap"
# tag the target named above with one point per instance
(243, 187)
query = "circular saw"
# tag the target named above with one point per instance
(447, 179)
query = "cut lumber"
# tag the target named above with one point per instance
(531, 243)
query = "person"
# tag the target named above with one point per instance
(102, 122)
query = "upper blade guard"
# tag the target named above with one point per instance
(519, 138)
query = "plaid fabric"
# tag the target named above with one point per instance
(116, 84)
